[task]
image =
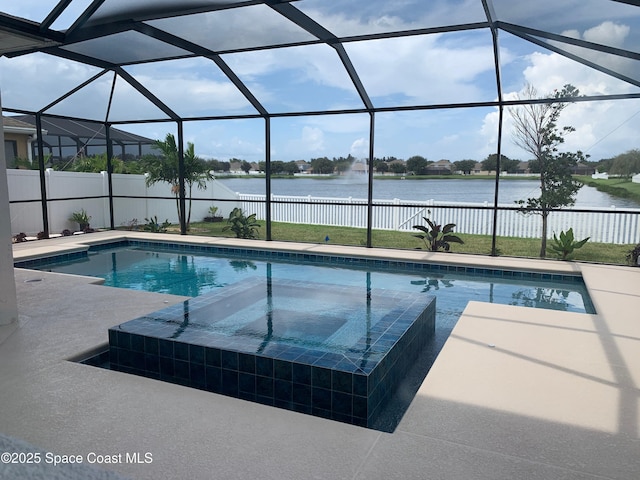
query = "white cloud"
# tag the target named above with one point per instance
(310, 143)
(429, 68)
(603, 129)
(33, 81)
(608, 33)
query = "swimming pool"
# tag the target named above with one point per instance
(326, 335)
(193, 270)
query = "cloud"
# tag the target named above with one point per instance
(346, 17)
(608, 33)
(603, 129)
(428, 68)
(310, 143)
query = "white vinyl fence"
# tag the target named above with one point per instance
(27, 217)
(616, 228)
(600, 226)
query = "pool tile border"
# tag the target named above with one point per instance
(281, 255)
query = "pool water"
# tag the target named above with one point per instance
(343, 338)
(194, 274)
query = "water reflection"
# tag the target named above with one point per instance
(433, 283)
(551, 298)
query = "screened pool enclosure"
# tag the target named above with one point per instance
(274, 80)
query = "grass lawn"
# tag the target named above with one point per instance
(474, 244)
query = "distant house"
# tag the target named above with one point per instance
(477, 169)
(18, 136)
(441, 167)
(583, 169)
(66, 138)
(523, 167)
(303, 166)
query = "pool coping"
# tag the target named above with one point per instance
(513, 394)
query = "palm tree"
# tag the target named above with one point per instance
(165, 169)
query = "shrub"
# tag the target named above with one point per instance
(241, 225)
(436, 237)
(634, 256)
(153, 226)
(565, 245)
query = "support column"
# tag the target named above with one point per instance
(8, 300)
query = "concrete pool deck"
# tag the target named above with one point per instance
(516, 393)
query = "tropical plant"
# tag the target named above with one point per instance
(565, 244)
(166, 169)
(241, 225)
(634, 256)
(82, 218)
(153, 226)
(213, 215)
(26, 164)
(437, 237)
(97, 164)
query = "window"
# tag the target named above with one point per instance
(11, 152)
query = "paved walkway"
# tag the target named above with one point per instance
(516, 393)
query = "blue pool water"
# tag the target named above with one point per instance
(343, 338)
(156, 268)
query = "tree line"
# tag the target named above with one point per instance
(625, 165)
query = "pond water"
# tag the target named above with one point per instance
(454, 190)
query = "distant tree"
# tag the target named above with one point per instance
(277, 166)
(381, 166)
(490, 163)
(291, 168)
(164, 168)
(322, 165)
(537, 132)
(217, 165)
(604, 165)
(417, 165)
(626, 164)
(342, 165)
(398, 167)
(245, 167)
(465, 166)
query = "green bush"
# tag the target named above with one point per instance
(241, 225)
(565, 245)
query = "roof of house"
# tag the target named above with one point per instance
(13, 123)
(80, 129)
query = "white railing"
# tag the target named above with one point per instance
(601, 225)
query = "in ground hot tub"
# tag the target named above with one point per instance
(321, 349)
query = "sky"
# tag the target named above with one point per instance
(418, 70)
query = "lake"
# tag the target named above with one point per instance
(454, 190)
